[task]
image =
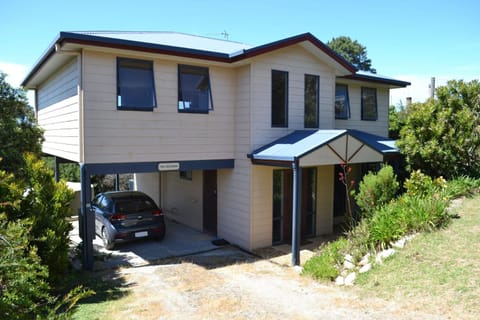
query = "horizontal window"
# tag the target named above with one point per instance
(135, 85)
(342, 102)
(194, 93)
(369, 104)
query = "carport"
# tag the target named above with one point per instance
(311, 148)
(87, 218)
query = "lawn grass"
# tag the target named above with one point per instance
(437, 271)
(109, 287)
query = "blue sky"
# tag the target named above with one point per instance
(412, 40)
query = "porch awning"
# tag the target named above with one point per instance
(324, 147)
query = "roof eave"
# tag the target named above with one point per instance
(91, 40)
(272, 46)
(391, 82)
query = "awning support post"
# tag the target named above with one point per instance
(296, 212)
(117, 182)
(87, 220)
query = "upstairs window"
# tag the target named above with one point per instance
(194, 93)
(369, 104)
(342, 102)
(279, 98)
(311, 101)
(135, 85)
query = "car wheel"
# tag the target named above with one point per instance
(106, 242)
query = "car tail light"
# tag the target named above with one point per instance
(157, 213)
(118, 217)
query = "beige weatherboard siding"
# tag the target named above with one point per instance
(113, 135)
(234, 185)
(58, 112)
(297, 62)
(378, 127)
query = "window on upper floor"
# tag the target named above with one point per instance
(369, 104)
(342, 102)
(312, 86)
(279, 98)
(135, 85)
(194, 93)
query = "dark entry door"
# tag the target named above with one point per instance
(210, 201)
(282, 204)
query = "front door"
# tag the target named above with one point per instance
(282, 204)
(210, 201)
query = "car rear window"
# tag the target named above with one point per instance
(134, 205)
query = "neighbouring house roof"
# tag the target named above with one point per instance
(322, 147)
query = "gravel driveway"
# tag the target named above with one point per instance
(228, 283)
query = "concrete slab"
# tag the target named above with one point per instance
(179, 240)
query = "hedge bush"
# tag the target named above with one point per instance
(375, 190)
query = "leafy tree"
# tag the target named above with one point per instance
(396, 120)
(442, 136)
(18, 132)
(352, 51)
(34, 230)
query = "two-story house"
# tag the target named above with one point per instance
(243, 142)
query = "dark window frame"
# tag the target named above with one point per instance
(276, 106)
(185, 175)
(345, 112)
(316, 100)
(193, 70)
(374, 114)
(122, 87)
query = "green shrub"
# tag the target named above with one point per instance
(419, 184)
(386, 225)
(47, 205)
(375, 190)
(24, 289)
(408, 214)
(32, 217)
(327, 264)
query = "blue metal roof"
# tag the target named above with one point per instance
(373, 77)
(173, 39)
(381, 144)
(301, 142)
(296, 144)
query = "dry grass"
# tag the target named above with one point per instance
(437, 272)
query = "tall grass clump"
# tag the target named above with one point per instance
(327, 264)
(461, 186)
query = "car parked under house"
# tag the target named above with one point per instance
(242, 142)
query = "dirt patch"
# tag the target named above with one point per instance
(207, 287)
